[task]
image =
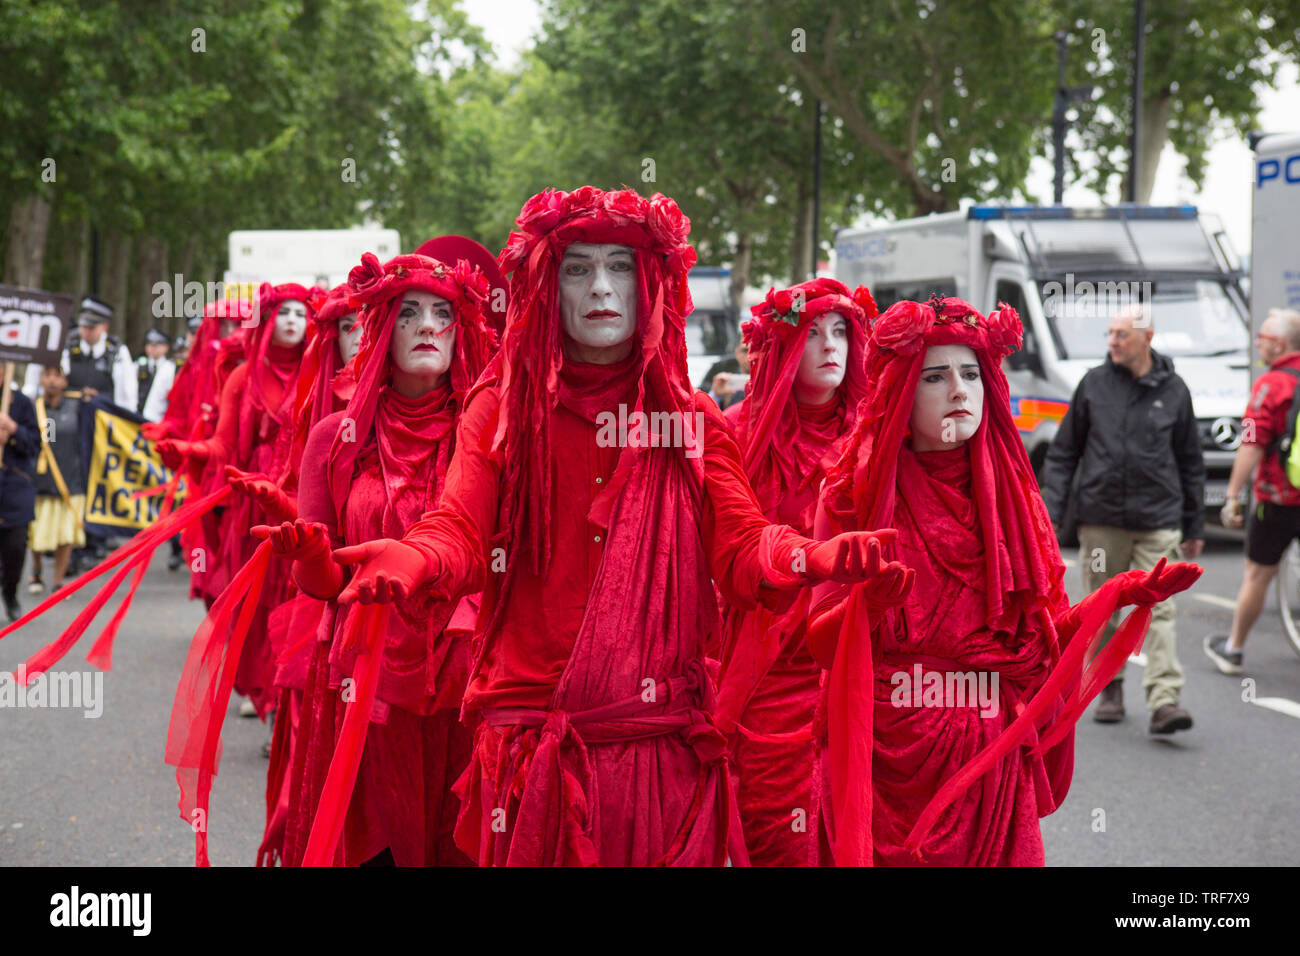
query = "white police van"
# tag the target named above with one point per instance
(1066, 271)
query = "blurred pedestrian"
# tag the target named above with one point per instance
(19, 442)
(60, 479)
(1131, 437)
(1275, 520)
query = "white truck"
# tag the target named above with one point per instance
(1275, 226)
(307, 256)
(1066, 271)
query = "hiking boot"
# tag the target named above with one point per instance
(1168, 718)
(12, 608)
(1225, 659)
(1110, 703)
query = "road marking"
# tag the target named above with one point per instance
(1280, 704)
(1216, 601)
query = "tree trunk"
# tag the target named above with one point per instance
(183, 256)
(73, 274)
(149, 267)
(29, 223)
(115, 252)
(1155, 133)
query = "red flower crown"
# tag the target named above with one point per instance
(656, 224)
(905, 326)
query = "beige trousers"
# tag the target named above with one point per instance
(1104, 552)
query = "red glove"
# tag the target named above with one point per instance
(175, 452)
(277, 505)
(850, 557)
(390, 571)
(156, 431)
(307, 544)
(885, 586)
(1162, 583)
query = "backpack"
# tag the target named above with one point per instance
(1288, 443)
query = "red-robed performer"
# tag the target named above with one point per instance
(252, 411)
(324, 386)
(979, 676)
(371, 471)
(594, 542)
(192, 414)
(807, 351)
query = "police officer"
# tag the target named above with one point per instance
(95, 362)
(155, 373)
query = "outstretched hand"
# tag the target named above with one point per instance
(262, 490)
(174, 452)
(849, 557)
(389, 571)
(297, 540)
(1163, 582)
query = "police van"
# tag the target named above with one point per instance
(1066, 271)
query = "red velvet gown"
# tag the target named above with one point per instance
(415, 746)
(942, 628)
(246, 438)
(770, 697)
(596, 742)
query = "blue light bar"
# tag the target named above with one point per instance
(1123, 211)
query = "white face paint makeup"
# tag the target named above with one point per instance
(349, 337)
(598, 300)
(290, 323)
(825, 358)
(949, 403)
(424, 340)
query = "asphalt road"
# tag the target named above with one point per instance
(81, 791)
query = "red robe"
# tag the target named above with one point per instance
(415, 746)
(768, 691)
(596, 742)
(246, 438)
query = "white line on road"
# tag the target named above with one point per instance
(1216, 601)
(1280, 704)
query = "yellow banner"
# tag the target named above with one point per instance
(122, 462)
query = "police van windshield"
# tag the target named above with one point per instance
(1190, 317)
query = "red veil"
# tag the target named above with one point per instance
(531, 357)
(768, 426)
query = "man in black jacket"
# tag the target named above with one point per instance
(1131, 436)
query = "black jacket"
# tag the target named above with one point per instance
(1137, 449)
(17, 491)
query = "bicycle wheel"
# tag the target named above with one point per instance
(1288, 595)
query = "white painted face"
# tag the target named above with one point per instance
(598, 294)
(290, 323)
(349, 337)
(949, 403)
(825, 356)
(424, 339)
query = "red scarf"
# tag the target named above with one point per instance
(411, 440)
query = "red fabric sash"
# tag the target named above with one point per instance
(366, 626)
(133, 555)
(203, 694)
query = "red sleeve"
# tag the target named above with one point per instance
(176, 417)
(455, 537)
(315, 503)
(733, 522)
(1269, 402)
(222, 445)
